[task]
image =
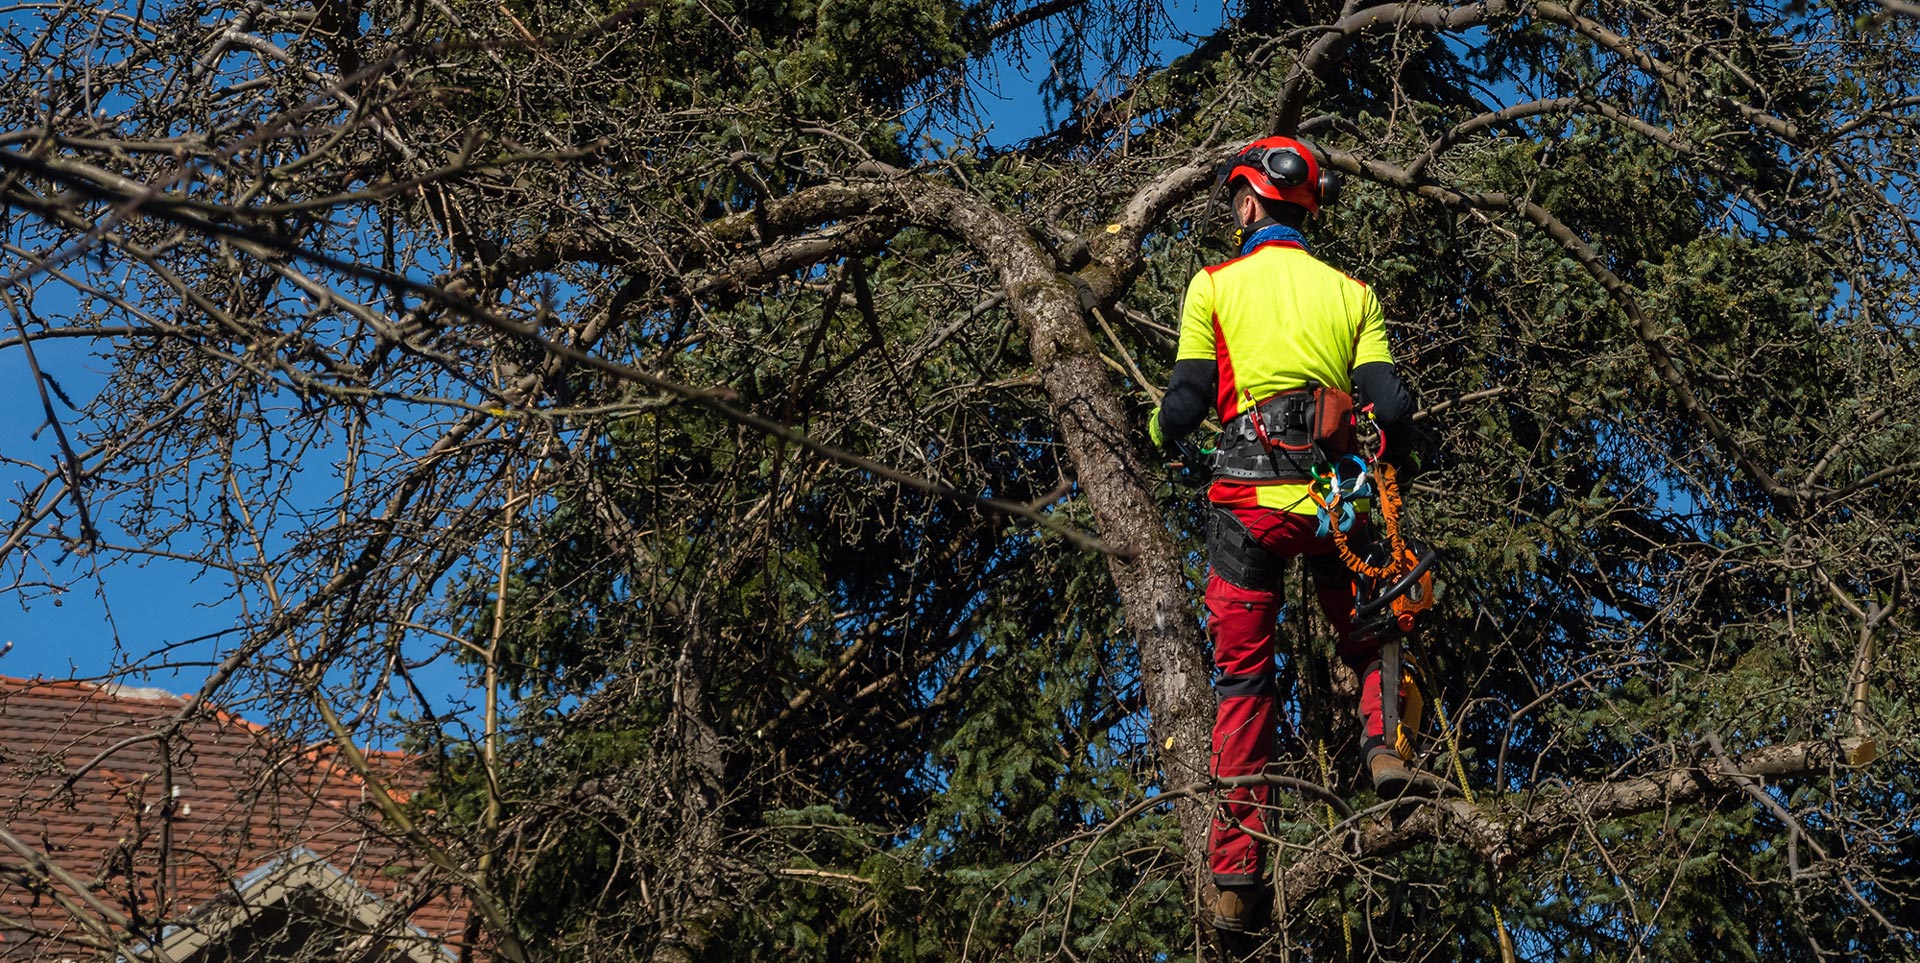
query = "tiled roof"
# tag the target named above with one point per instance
(88, 784)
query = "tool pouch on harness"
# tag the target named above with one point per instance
(1283, 437)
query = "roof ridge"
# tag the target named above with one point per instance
(324, 751)
(111, 689)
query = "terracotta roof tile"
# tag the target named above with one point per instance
(242, 797)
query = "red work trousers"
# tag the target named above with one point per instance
(1248, 549)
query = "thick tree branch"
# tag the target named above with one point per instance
(1503, 837)
(1319, 59)
(1030, 16)
(839, 198)
(1667, 73)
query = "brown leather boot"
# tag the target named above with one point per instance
(1391, 777)
(1241, 909)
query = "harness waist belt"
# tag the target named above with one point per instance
(1295, 430)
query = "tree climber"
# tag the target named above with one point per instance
(1278, 343)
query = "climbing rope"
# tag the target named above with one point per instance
(1337, 498)
(1326, 778)
(1466, 789)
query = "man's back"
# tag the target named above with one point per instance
(1276, 319)
(1271, 321)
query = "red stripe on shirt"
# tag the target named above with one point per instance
(1228, 400)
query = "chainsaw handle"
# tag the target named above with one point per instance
(1399, 588)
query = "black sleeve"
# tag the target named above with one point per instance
(1189, 397)
(1379, 385)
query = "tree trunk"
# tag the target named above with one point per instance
(1114, 471)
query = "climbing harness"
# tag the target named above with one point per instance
(1285, 436)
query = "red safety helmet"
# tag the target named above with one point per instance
(1283, 169)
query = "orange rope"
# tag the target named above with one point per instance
(1403, 559)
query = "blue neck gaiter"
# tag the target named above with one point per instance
(1274, 232)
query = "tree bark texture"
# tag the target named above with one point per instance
(1112, 469)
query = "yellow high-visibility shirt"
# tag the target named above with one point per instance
(1272, 321)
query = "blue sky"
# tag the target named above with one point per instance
(60, 634)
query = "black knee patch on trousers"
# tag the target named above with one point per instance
(1237, 686)
(1237, 558)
